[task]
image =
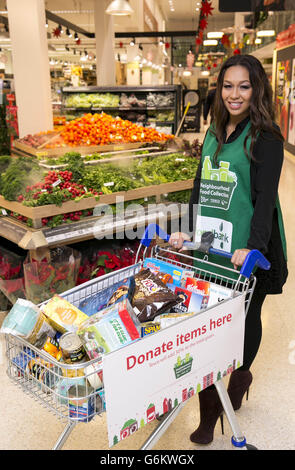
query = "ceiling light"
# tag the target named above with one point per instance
(205, 73)
(258, 41)
(68, 33)
(210, 42)
(215, 34)
(132, 42)
(266, 33)
(187, 73)
(119, 8)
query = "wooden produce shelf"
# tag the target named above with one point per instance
(23, 149)
(39, 212)
(39, 241)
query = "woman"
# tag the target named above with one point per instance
(242, 152)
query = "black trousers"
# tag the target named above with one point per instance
(253, 329)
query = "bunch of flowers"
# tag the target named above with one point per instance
(11, 277)
(106, 261)
(45, 278)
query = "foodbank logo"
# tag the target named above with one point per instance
(217, 185)
(183, 366)
(221, 236)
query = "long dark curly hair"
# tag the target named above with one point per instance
(261, 103)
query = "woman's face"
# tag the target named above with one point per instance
(237, 91)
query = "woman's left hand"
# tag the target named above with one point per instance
(239, 257)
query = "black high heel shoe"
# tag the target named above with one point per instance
(210, 410)
(239, 384)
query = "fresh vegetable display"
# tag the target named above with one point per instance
(103, 129)
(95, 100)
(94, 129)
(24, 181)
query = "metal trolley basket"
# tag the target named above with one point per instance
(72, 392)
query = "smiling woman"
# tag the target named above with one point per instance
(245, 144)
(236, 94)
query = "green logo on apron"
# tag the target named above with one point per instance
(217, 185)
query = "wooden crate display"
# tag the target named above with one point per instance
(39, 212)
(21, 148)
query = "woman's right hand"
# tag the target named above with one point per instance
(177, 238)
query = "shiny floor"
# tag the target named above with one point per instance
(267, 418)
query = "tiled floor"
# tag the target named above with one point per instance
(268, 418)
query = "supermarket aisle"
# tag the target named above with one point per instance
(268, 418)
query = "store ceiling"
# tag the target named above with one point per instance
(81, 14)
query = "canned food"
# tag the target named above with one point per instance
(43, 372)
(149, 327)
(71, 347)
(81, 402)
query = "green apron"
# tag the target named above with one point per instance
(225, 206)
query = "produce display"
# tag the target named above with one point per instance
(95, 100)
(112, 100)
(94, 129)
(102, 129)
(22, 179)
(49, 139)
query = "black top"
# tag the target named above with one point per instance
(265, 170)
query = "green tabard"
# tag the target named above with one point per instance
(225, 206)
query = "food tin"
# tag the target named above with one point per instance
(149, 327)
(81, 402)
(71, 347)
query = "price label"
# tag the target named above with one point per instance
(56, 183)
(41, 154)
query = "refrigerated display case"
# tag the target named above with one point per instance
(155, 106)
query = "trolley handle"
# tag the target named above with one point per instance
(253, 258)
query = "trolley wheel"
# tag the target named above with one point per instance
(251, 447)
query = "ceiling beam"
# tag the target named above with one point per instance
(155, 34)
(58, 20)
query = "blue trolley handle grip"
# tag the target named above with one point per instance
(149, 233)
(253, 258)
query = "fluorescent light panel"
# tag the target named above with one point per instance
(215, 35)
(210, 42)
(266, 33)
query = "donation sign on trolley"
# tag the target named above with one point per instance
(149, 378)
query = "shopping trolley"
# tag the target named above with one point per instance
(74, 392)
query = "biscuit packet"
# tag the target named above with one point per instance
(151, 296)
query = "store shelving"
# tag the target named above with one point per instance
(140, 92)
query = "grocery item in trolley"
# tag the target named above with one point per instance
(109, 329)
(111, 295)
(62, 315)
(71, 347)
(94, 375)
(214, 292)
(168, 319)
(190, 301)
(43, 373)
(25, 319)
(149, 328)
(51, 346)
(22, 359)
(168, 272)
(151, 296)
(81, 402)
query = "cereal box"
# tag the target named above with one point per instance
(62, 315)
